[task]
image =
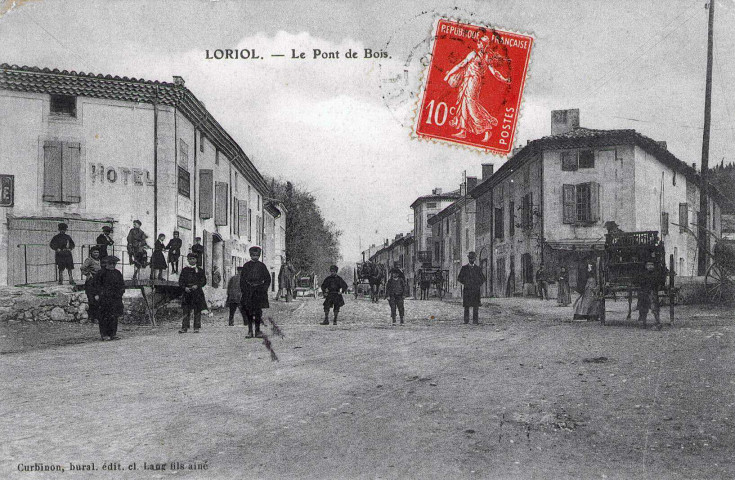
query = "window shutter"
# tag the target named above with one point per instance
(664, 223)
(206, 187)
(569, 160)
(70, 172)
(220, 203)
(250, 225)
(569, 202)
(52, 171)
(594, 201)
(683, 217)
(242, 217)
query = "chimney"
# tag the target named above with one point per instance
(178, 81)
(436, 191)
(487, 170)
(563, 121)
(516, 150)
(662, 144)
(471, 184)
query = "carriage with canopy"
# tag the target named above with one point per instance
(369, 274)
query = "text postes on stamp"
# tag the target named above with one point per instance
(473, 87)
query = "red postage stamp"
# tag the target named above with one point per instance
(473, 86)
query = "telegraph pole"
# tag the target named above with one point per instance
(703, 197)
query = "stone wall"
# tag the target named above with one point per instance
(50, 303)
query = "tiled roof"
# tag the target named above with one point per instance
(64, 82)
(436, 197)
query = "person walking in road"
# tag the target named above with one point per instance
(542, 282)
(234, 296)
(563, 296)
(472, 279)
(332, 288)
(254, 282)
(192, 280)
(109, 288)
(63, 245)
(285, 280)
(91, 267)
(174, 252)
(158, 261)
(105, 240)
(395, 290)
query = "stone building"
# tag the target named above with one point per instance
(425, 207)
(552, 200)
(91, 150)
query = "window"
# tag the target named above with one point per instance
(527, 211)
(64, 105)
(569, 160)
(201, 141)
(258, 209)
(683, 217)
(236, 189)
(206, 190)
(250, 224)
(499, 231)
(512, 218)
(183, 154)
(664, 223)
(500, 272)
(216, 157)
(184, 183)
(526, 268)
(220, 203)
(431, 205)
(437, 247)
(61, 172)
(581, 203)
(587, 159)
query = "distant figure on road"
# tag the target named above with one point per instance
(395, 290)
(174, 252)
(472, 279)
(424, 283)
(90, 268)
(254, 282)
(587, 306)
(105, 240)
(332, 287)
(542, 282)
(63, 245)
(192, 280)
(285, 280)
(234, 296)
(109, 288)
(650, 283)
(563, 296)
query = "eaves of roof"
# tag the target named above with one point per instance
(63, 82)
(435, 198)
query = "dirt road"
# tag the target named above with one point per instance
(524, 395)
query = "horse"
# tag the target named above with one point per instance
(374, 273)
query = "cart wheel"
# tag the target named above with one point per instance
(718, 284)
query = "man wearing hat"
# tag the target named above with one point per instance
(472, 279)
(192, 279)
(650, 283)
(332, 288)
(254, 282)
(105, 240)
(109, 288)
(90, 268)
(63, 245)
(395, 290)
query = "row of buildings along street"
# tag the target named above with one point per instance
(552, 202)
(92, 151)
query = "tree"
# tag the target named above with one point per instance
(723, 178)
(312, 243)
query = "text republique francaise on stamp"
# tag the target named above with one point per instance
(473, 86)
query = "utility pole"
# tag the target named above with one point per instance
(703, 197)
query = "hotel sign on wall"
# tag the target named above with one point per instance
(120, 175)
(7, 190)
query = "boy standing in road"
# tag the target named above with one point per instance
(395, 289)
(332, 287)
(234, 295)
(648, 295)
(63, 245)
(254, 282)
(192, 279)
(109, 288)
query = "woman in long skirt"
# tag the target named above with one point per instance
(158, 261)
(588, 305)
(563, 296)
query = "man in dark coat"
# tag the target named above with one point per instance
(542, 282)
(254, 282)
(333, 287)
(105, 240)
(650, 283)
(90, 268)
(472, 279)
(63, 245)
(109, 288)
(395, 290)
(137, 243)
(192, 279)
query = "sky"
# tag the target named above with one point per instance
(341, 128)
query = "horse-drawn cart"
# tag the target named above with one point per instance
(433, 278)
(370, 275)
(624, 264)
(719, 280)
(306, 284)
